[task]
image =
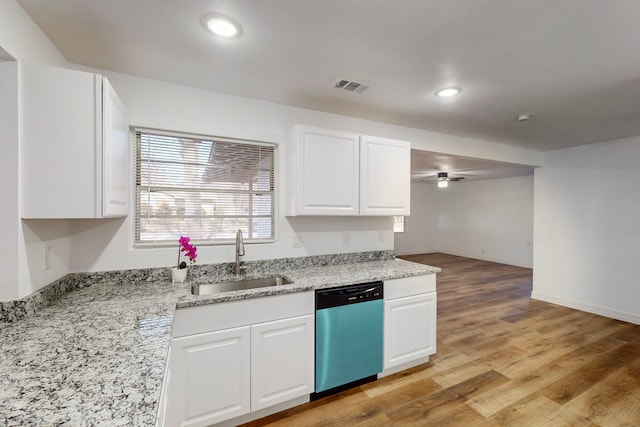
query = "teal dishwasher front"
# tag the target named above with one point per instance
(349, 328)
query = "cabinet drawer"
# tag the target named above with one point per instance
(212, 317)
(407, 286)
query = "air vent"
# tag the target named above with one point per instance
(351, 85)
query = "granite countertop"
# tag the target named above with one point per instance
(97, 356)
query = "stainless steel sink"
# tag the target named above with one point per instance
(239, 285)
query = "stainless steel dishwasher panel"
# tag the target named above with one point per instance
(349, 338)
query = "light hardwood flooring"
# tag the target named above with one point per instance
(502, 360)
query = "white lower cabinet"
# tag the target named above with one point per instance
(409, 325)
(409, 321)
(220, 375)
(210, 377)
(281, 352)
(237, 361)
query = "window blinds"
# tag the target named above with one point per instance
(202, 187)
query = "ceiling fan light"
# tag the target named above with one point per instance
(443, 183)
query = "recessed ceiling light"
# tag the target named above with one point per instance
(222, 26)
(524, 117)
(448, 92)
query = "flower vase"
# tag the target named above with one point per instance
(178, 275)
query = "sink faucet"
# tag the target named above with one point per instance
(239, 250)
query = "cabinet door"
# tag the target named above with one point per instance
(59, 112)
(409, 329)
(75, 145)
(210, 377)
(282, 356)
(115, 154)
(326, 172)
(385, 176)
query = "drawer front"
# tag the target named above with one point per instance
(408, 286)
(224, 315)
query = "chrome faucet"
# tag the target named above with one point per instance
(239, 250)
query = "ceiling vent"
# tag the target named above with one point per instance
(351, 85)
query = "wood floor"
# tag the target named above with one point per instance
(502, 360)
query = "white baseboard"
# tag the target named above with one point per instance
(431, 251)
(497, 260)
(601, 311)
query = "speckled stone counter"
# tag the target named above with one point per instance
(97, 355)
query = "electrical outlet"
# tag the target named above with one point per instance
(296, 241)
(346, 238)
(380, 236)
(46, 258)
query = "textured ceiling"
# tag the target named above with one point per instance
(425, 167)
(574, 65)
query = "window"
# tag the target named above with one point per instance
(398, 224)
(203, 187)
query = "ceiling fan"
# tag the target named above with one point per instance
(442, 178)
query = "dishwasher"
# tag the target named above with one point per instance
(348, 337)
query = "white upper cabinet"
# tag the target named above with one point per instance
(323, 172)
(74, 145)
(385, 176)
(340, 173)
(115, 154)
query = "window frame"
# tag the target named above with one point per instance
(403, 222)
(200, 242)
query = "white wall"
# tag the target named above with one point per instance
(106, 245)
(490, 220)
(20, 249)
(587, 229)
(23, 39)
(22, 244)
(421, 227)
